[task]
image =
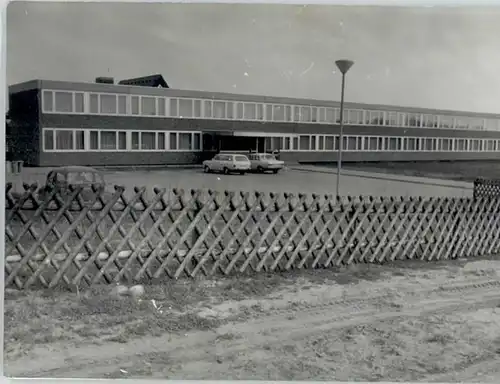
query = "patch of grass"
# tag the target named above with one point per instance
(226, 337)
(121, 338)
(404, 349)
(96, 313)
(87, 331)
(439, 338)
(241, 288)
(452, 170)
(57, 315)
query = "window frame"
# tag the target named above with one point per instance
(54, 140)
(128, 136)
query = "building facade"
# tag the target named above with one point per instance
(66, 123)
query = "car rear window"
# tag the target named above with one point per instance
(81, 177)
(240, 158)
(269, 157)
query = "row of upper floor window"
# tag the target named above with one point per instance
(67, 140)
(67, 102)
(364, 143)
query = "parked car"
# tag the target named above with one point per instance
(61, 178)
(263, 162)
(227, 163)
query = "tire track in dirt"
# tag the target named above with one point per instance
(305, 328)
(360, 303)
(487, 369)
(285, 333)
(275, 328)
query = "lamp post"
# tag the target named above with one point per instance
(343, 66)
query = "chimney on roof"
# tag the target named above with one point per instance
(105, 80)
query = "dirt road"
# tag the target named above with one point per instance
(433, 322)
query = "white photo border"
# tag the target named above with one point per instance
(3, 96)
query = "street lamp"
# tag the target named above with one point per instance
(343, 66)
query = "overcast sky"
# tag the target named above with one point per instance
(424, 57)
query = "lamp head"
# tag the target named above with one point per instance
(344, 65)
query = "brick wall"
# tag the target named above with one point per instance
(23, 138)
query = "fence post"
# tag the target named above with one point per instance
(195, 233)
(13, 173)
(20, 166)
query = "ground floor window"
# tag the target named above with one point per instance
(148, 140)
(185, 141)
(108, 140)
(63, 139)
(48, 139)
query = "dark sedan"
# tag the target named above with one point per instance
(61, 178)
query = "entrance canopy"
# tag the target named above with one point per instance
(220, 133)
(262, 134)
(245, 140)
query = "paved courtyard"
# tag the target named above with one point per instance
(299, 179)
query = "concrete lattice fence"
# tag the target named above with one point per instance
(486, 188)
(81, 237)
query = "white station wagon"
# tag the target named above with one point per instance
(227, 163)
(262, 162)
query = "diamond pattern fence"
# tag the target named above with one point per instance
(486, 188)
(84, 237)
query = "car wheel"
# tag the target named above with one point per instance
(275, 171)
(242, 172)
(206, 169)
(226, 171)
(260, 169)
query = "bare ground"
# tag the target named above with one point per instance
(409, 321)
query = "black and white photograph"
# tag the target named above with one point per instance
(224, 191)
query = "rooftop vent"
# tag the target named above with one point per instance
(105, 80)
(156, 81)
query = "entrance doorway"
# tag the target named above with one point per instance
(245, 142)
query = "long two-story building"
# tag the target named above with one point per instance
(142, 121)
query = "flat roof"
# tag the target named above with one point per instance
(169, 92)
